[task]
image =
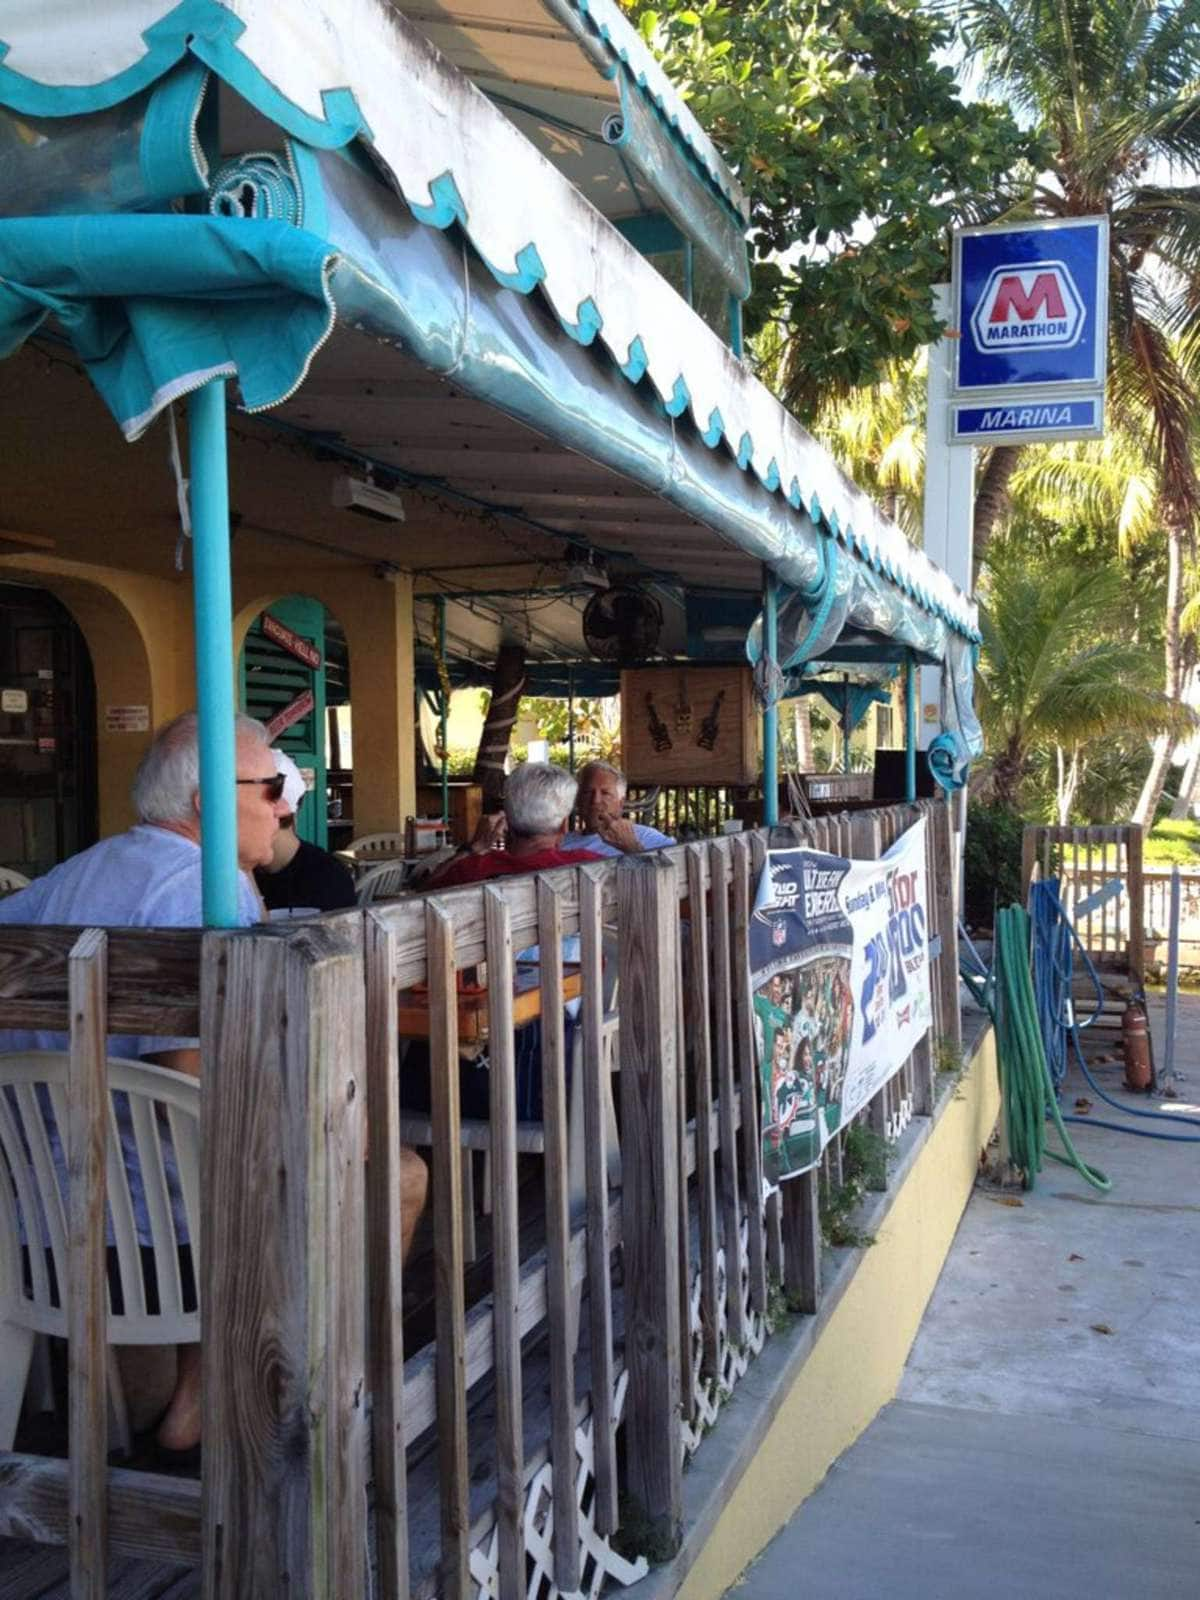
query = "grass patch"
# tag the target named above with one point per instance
(638, 1535)
(1173, 844)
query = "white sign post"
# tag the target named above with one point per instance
(949, 496)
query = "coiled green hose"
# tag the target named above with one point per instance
(1025, 1082)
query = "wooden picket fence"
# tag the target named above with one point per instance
(1103, 889)
(486, 1462)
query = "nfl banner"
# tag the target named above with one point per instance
(839, 969)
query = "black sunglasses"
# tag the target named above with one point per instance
(273, 785)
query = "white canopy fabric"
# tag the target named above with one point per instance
(333, 70)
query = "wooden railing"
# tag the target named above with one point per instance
(1102, 881)
(1157, 909)
(492, 1453)
(685, 812)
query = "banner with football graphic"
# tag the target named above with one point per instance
(839, 968)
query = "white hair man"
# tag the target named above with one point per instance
(538, 800)
(150, 876)
(599, 801)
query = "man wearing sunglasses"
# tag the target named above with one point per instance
(149, 877)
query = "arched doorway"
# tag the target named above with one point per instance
(295, 677)
(48, 794)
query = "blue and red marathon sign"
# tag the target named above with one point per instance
(1031, 314)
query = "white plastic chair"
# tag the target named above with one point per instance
(382, 882)
(476, 1134)
(11, 880)
(373, 848)
(33, 1205)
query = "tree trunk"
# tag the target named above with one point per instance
(802, 726)
(1161, 761)
(1068, 783)
(991, 498)
(1008, 774)
(508, 684)
(1182, 809)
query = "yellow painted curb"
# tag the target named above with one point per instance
(855, 1365)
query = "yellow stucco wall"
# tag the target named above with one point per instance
(854, 1367)
(140, 637)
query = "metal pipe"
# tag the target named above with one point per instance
(910, 727)
(736, 342)
(213, 609)
(770, 719)
(845, 723)
(444, 705)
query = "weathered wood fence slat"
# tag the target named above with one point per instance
(299, 1046)
(87, 1318)
(596, 1092)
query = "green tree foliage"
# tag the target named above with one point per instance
(1060, 667)
(597, 724)
(1115, 85)
(857, 152)
(991, 862)
(877, 434)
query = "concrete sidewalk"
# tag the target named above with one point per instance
(1045, 1442)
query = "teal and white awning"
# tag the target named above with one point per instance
(696, 427)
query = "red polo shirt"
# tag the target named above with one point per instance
(502, 864)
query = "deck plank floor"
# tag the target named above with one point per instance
(40, 1572)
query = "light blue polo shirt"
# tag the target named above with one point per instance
(146, 878)
(649, 839)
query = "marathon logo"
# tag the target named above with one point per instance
(1027, 307)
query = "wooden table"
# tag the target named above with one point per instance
(473, 1004)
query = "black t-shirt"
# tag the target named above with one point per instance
(312, 878)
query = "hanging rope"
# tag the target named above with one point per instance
(181, 490)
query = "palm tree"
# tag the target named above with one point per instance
(877, 434)
(1115, 84)
(1058, 668)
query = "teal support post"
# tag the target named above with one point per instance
(213, 603)
(910, 728)
(770, 721)
(444, 709)
(736, 342)
(845, 723)
(689, 273)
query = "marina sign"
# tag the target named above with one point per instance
(1002, 422)
(1030, 303)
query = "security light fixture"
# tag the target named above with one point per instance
(367, 499)
(586, 568)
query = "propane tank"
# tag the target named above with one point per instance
(1135, 1038)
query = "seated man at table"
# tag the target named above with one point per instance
(150, 877)
(537, 809)
(300, 878)
(599, 801)
(538, 799)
